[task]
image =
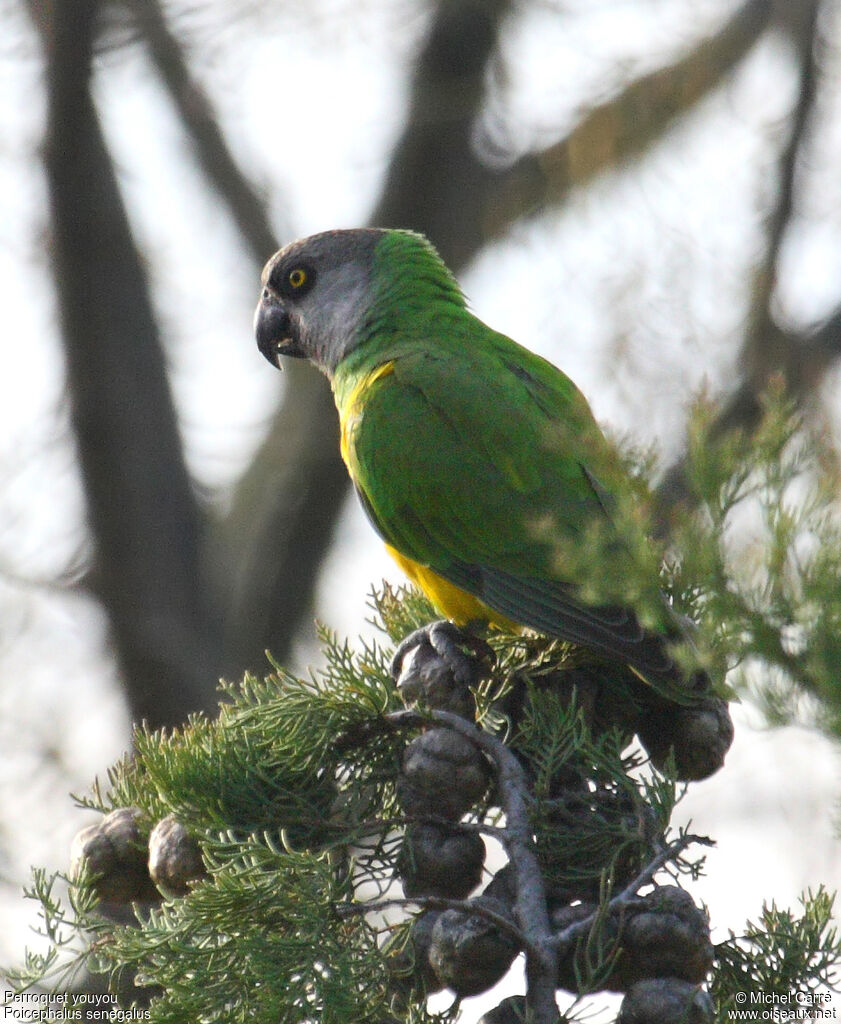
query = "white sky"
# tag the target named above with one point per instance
(635, 289)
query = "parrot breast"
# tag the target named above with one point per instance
(451, 601)
(350, 409)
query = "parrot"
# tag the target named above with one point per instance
(474, 458)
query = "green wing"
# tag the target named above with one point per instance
(472, 461)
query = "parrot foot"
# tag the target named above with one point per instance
(441, 648)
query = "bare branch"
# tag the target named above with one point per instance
(626, 126)
(142, 511)
(436, 183)
(760, 354)
(199, 118)
(439, 185)
(812, 356)
(281, 522)
(767, 349)
(265, 555)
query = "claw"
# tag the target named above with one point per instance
(437, 664)
(467, 656)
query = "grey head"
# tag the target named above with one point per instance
(316, 292)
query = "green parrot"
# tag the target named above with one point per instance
(474, 459)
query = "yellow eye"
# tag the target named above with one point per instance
(295, 281)
(297, 278)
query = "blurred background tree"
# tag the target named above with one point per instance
(643, 190)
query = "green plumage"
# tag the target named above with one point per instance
(473, 457)
(465, 446)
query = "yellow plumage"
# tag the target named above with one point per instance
(350, 408)
(451, 601)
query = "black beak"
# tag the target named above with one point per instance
(273, 328)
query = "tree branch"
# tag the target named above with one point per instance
(265, 555)
(565, 938)
(442, 903)
(281, 522)
(436, 183)
(531, 906)
(195, 109)
(141, 508)
(767, 349)
(762, 330)
(472, 202)
(626, 126)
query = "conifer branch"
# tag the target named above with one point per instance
(531, 904)
(474, 909)
(621, 900)
(401, 821)
(667, 855)
(274, 806)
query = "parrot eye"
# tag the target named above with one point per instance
(297, 280)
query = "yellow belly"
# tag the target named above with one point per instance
(451, 601)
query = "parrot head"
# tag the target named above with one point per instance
(316, 292)
(320, 292)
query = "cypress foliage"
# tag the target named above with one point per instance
(315, 852)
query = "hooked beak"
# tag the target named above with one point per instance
(273, 329)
